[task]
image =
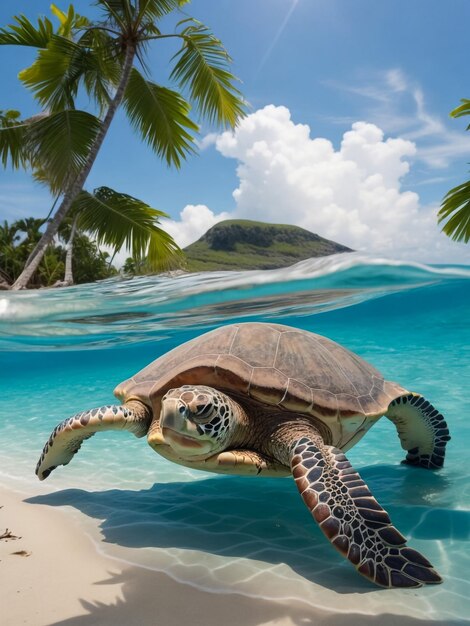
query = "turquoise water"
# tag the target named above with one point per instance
(65, 350)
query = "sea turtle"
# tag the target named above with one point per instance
(271, 400)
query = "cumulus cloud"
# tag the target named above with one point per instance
(351, 194)
(193, 223)
(207, 141)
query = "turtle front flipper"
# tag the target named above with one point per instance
(422, 430)
(67, 437)
(233, 462)
(352, 519)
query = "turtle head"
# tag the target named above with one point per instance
(197, 421)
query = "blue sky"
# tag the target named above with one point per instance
(396, 66)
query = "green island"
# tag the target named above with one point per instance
(104, 59)
(229, 245)
(247, 245)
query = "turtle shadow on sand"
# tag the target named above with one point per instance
(262, 519)
(153, 598)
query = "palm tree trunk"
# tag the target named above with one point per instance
(34, 250)
(77, 185)
(68, 275)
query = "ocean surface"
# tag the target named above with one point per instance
(62, 351)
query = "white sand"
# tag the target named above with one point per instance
(62, 579)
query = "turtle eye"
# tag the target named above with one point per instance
(182, 409)
(203, 412)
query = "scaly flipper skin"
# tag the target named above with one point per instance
(352, 519)
(247, 462)
(232, 462)
(67, 437)
(422, 430)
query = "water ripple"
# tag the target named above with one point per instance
(123, 311)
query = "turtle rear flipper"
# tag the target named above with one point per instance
(68, 436)
(422, 430)
(353, 520)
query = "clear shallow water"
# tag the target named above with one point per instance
(65, 350)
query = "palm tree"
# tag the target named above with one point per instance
(117, 220)
(31, 227)
(455, 207)
(68, 272)
(16, 240)
(9, 257)
(101, 58)
(8, 234)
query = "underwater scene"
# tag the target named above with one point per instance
(65, 350)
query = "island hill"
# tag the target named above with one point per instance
(248, 245)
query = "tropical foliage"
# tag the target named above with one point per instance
(98, 59)
(19, 238)
(455, 208)
(114, 219)
(118, 220)
(134, 266)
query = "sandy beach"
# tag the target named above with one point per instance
(51, 573)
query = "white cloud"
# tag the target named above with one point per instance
(352, 194)
(396, 80)
(194, 221)
(397, 104)
(207, 141)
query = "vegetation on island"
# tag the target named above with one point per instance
(229, 245)
(18, 240)
(247, 245)
(105, 61)
(455, 208)
(100, 59)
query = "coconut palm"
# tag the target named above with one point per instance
(16, 240)
(8, 234)
(10, 260)
(118, 220)
(31, 227)
(455, 207)
(100, 57)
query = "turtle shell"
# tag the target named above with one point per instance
(271, 364)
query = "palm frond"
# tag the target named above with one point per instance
(463, 109)
(59, 144)
(63, 65)
(119, 220)
(70, 22)
(101, 78)
(9, 117)
(455, 209)
(160, 115)
(202, 67)
(24, 33)
(104, 65)
(54, 76)
(150, 10)
(117, 11)
(12, 149)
